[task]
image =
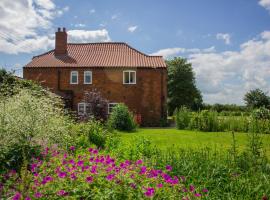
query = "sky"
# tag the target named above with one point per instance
(227, 41)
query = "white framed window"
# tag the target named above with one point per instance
(129, 77)
(87, 77)
(83, 108)
(110, 107)
(74, 77)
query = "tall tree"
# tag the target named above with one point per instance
(182, 90)
(257, 98)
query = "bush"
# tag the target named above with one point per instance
(121, 119)
(92, 132)
(182, 118)
(29, 118)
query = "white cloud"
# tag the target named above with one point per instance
(265, 4)
(225, 77)
(79, 25)
(115, 16)
(172, 52)
(132, 28)
(92, 11)
(224, 36)
(21, 23)
(79, 36)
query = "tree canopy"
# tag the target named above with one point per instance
(182, 90)
(257, 98)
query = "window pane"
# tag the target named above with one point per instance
(126, 77)
(132, 77)
(74, 77)
(87, 77)
(81, 107)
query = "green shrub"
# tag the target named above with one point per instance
(121, 119)
(28, 119)
(182, 118)
(92, 132)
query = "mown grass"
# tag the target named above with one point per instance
(166, 138)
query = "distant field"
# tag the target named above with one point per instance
(164, 138)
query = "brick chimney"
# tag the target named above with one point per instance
(60, 42)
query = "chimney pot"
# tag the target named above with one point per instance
(59, 29)
(64, 29)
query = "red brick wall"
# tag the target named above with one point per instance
(147, 97)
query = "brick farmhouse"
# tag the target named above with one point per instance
(120, 72)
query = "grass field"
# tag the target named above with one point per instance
(164, 138)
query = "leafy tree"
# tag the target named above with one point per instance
(257, 98)
(97, 105)
(182, 90)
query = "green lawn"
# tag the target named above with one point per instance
(164, 138)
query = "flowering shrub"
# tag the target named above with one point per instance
(92, 175)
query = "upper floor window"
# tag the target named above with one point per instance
(87, 77)
(129, 77)
(74, 77)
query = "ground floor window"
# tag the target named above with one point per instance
(110, 107)
(83, 108)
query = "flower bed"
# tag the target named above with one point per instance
(92, 175)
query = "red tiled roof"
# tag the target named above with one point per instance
(107, 54)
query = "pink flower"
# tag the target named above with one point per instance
(94, 169)
(80, 163)
(62, 193)
(143, 170)
(90, 150)
(89, 179)
(150, 192)
(38, 195)
(169, 168)
(73, 176)
(191, 188)
(139, 162)
(110, 177)
(160, 185)
(17, 196)
(62, 174)
(95, 151)
(72, 148)
(197, 195)
(27, 198)
(204, 190)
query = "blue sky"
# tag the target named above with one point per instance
(227, 41)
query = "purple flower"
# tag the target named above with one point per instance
(80, 163)
(169, 168)
(94, 169)
(204, 190)
(73, 176)
(38, 195)
(143, 170)
(62, 174)
(17, 196)
(139, 162)
(191, 188)
(89, 179)
(160, 185)
(133, 185)
(90, 150)
(149, 192)
(72, 148)
(110, 177)
(62, 193)
(197, 195)
(95, 151)
(27, 198)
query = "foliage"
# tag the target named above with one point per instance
(230, 174)
(182, 90)
(121, 119)
(182, 117)
(257, 122)
(98, 106)
(226, 108)
(256, 99)
(93, 175)
(28, 119)
(92, 132)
